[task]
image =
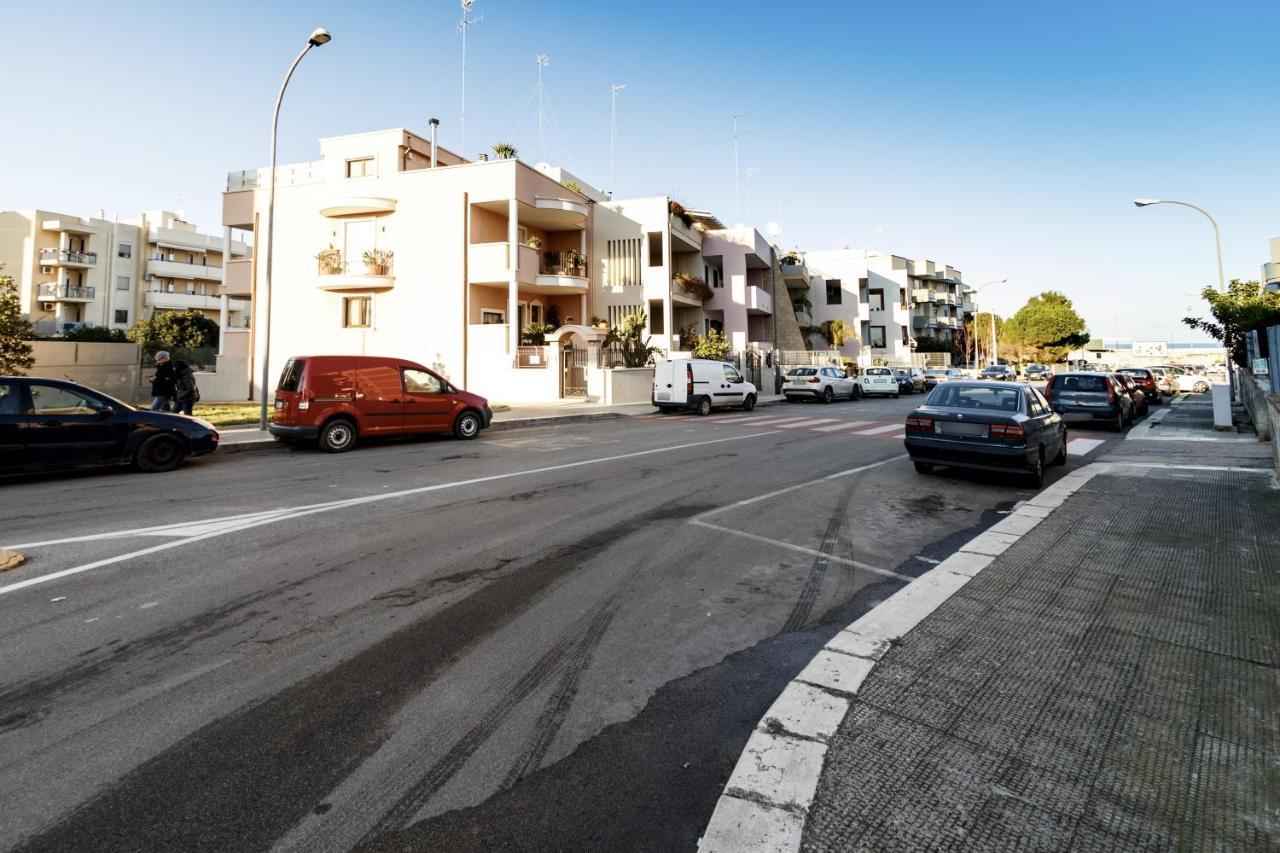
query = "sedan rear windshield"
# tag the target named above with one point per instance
(1091, 383)
(803, 371)
(291, 376)
(879, 371)
(955, 396)
(1135, 371)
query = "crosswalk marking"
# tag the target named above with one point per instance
(878, 430)
(806, 422)
(842, 425)
(1083, 446)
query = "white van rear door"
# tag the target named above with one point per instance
(664, 383)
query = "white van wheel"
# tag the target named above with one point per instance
(749, 403)
(704, 406)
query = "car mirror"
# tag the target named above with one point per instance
(106, 412)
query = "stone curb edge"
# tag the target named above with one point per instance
(496, 426)
(766, 801)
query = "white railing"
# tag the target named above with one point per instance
(287, 175)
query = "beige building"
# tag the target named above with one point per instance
(1271, 269)
(77, 271)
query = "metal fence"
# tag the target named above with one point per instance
(204, 359)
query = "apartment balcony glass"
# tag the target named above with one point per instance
(67, 258)
(53, 292)
(162, 267)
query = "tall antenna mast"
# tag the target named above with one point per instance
(463, 25)
(613, 126)
(737, 196)
(543, 59)
(750, 172)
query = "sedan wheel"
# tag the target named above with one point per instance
(1200, 387)
(159, 453)
(923, 467)
(1061, 458)
(1118, 424)
(827, 394)
(1035, 477)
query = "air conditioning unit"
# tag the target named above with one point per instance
(46, 270)
(148, 277)
(48, 306)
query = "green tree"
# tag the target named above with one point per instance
(96, 334)
(16, 354)
(627, 340)
(713, 345)
(178, 329)
(1045, 329)
(836, 332)
(1243, 308)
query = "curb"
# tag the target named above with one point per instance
(10, 560)
(767, 798)
(497, 426)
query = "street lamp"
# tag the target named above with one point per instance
(1222, 282)
(318, 37)
(975, 320)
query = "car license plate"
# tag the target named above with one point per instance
(950, 428)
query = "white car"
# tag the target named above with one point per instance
(938, 375)
(819, 383)
(1192, 382)
(879, 380)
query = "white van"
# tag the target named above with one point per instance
(700, 384)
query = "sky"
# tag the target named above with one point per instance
(1007, 139)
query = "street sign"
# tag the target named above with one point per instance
(1260, 367)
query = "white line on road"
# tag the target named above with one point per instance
(837, 475)
(257, 520)
(1083, 446)
(879, 430)
(807, 422)
(842, 425)
(790, 546)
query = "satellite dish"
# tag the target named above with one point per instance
(773, 229)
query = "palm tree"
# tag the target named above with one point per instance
(504, 150)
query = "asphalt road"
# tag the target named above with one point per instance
(549, 638)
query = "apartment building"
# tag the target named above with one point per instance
(939, 301)
(1271, 269)
(74, 271)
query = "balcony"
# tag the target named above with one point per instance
(547, 271)
(187, 241)
(164, 268)
(53, 292)
(690, 291)
(177, 301)
(357, 205)
(923, 294)
(683, 237)
(339, 274)
(238, 280)
(796, 275)
(561, 269)
(51, 326)
(759, 301)
(67, 258)
(1271, 275)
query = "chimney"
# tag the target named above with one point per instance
(433, 123)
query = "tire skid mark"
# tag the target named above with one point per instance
(817, 573)
(567, 652)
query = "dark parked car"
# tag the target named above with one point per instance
(910, 379)
(51, 424)
(1036, 372)
(1138, 395)
(1147, 381)
(999, 373)
(1085, 397)
(991, 426)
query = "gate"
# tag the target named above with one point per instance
(573, 371)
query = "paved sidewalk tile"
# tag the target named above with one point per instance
(1107, 682)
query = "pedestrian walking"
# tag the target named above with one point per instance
(185, 392)
(162, 383)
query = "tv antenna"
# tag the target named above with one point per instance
(542, 60)
(750, 171)
(737, 197)
(613, 126)
(466, 23)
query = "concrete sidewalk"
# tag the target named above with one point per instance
(1099, 671)
(515, 416)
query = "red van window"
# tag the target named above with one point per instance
(291, 376)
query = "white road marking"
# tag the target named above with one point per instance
(257, 520)
(928, 560)
(842, 425)
(148, 605)
(778, 543)
(807, 422)
(1083, 446)
(879, 430)
(837, 475)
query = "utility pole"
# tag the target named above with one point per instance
(463, 25)
(543, 59)
(737, 197)
(613, 128)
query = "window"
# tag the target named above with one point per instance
(357, 312)
(731, 375)
(656, 318)
(492, 318)
(523, 231)
(10, 399)
(359, 237)
(834, 291)
(124, 250)
(535, 312)
(421, 382)
(877, 337)
(717, 278)
(291, 376)
(361, 167)
(876, 298)
(53, 400)
(957, 396)
(122, 282)
(655, 248)
(122, 316)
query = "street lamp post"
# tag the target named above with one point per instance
(1222, 281)
(318, 37)
(975, 321)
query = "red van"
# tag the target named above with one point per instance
(336, 399)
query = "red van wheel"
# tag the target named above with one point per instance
(467, 426)
(338, 436)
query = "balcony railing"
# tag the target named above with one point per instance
(66, 256)
(556, 262)
(50, 326)
(343, 266)
(65, 291)
(535, 357)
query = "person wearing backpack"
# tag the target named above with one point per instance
(185, 392)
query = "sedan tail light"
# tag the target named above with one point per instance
(920, 424)
(1111, 391)
(814, 381)
(1006, 431)
(1048, 386)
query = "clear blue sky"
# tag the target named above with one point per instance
(1004, 138)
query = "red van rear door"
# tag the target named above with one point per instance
(379, 398)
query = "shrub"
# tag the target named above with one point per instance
(713, 345)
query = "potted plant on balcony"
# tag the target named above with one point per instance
(790, 259)
(576, 261)
(504, 150)
(678, 210)
(330, 260)
(378, 261)
(573, 186)
(694, 286)
(534, 242)
(599, 325)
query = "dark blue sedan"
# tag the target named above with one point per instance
(989, 426)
